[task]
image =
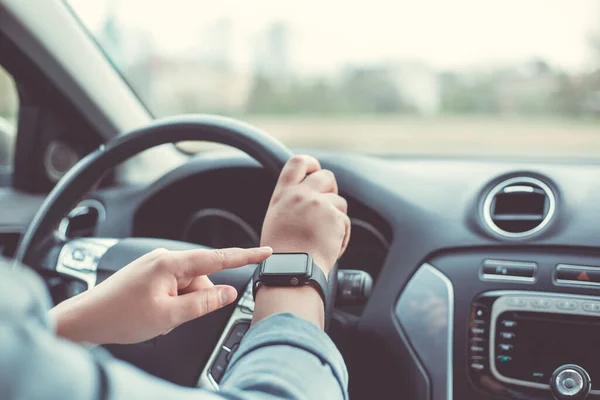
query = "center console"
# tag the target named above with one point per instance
(505, 324)
(527, 338)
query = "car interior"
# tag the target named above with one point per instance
(473, 269)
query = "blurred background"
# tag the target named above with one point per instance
(457, 78)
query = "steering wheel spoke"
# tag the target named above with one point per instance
(79, 258)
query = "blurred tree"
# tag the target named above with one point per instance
(262, 97)
(469, 95)
(580, 94)
(370, 90)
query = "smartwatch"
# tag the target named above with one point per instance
(290, 270)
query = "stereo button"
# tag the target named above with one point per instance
(566, 304)
(540, 303)
(505, 347)
(516, 302)
(478, 330)
(479, 312)
(507, 335)
(477, 366)
(591, 307)
(477, 349)
(508, 323)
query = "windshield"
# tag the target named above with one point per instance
(459, 77)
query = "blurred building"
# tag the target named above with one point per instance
(196, 86)
(418, 86)
(271, 57)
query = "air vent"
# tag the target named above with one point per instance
(519, 207)
(82, 220)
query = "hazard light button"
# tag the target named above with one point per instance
(578, 275)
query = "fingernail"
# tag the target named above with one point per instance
(266, 248)
(224, 297)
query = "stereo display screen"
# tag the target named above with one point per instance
(530, 346)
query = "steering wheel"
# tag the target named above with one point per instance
(94, 259)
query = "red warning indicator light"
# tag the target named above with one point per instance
(583, 276)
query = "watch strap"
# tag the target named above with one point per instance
(317, 279)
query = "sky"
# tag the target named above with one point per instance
(326, 34)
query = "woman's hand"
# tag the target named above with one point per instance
(152, 295)
(306, 215)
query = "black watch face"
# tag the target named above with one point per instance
(286, 264)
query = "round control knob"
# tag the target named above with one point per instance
(570, 382)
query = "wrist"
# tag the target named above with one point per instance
(67, 319)
(305, 302)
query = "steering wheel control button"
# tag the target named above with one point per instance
(220, 365)
(79, 258)
(78, 255)
(570, 382)
(236, 334)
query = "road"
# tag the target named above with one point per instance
(451, 136)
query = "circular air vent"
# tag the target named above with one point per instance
(58, 159)
(519, 207)
(82, 220)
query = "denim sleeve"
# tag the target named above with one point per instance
(286, 357)
(282, 357)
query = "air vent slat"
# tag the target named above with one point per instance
(519, 207)
(518, 217)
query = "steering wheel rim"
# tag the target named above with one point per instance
(268, 151)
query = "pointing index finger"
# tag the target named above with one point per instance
(199, 262)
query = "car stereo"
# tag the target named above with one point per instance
(543, 342)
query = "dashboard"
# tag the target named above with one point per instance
(226, 207)
(486, 272)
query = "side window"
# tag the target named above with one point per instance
(9, 107)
